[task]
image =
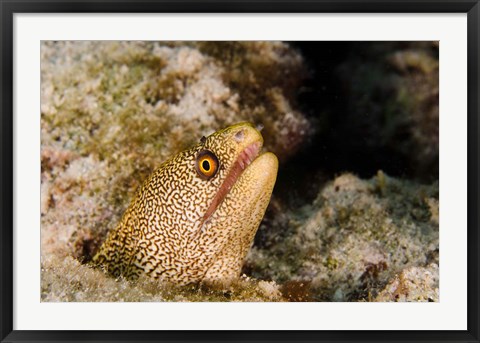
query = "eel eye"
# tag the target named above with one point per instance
(206, 164)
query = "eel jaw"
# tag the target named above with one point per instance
(244, 159)
(235, 229)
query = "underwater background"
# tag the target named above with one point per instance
(354, 215)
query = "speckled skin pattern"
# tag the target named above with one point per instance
(184, 228)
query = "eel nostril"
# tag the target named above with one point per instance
(239, 136)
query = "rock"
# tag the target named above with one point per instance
(413, 284)
(111, 112)
(63, 278)
(352, 239)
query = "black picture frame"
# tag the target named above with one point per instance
(10, 7)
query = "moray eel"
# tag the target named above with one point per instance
(195, 217)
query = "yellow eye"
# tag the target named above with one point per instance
(206, 164)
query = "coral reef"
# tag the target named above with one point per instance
(65, 279)
(413, 284)
(355, 237)
(111, 112)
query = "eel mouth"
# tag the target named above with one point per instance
(244, 159)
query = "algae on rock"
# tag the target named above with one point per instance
(353, 238)
(111, 112)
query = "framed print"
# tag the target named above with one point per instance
(239, 172)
